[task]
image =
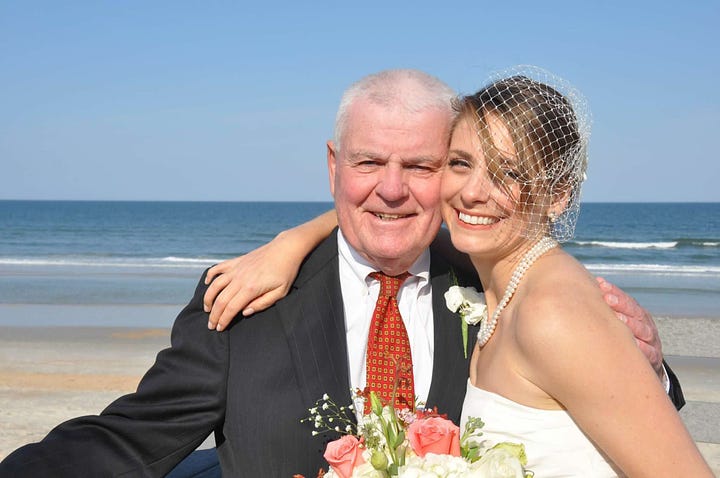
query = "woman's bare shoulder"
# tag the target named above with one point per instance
(561, 307)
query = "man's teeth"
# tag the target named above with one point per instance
(388, 217)
(475, 220)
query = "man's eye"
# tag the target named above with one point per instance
(419, 167)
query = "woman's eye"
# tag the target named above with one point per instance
(512, 174)
(458, 163)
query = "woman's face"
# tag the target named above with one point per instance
(481, 211)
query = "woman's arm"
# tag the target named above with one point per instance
(575, 350)
(258, 279)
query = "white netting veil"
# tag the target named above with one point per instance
(534, 130)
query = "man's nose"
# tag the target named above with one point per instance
(392, 185)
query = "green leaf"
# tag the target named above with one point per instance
(391, 437)
(375, 404)
(464, 334)
(400, 438)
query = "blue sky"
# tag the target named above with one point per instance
(176, 100)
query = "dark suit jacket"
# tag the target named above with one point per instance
(251, 385)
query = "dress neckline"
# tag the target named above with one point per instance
(473, 389)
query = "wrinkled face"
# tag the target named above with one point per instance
(386, 182)
(482, 216)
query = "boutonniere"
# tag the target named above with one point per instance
(469, 304)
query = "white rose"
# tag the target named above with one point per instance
(454, 298)
(474, 313)
(498, 463)
(471, 295)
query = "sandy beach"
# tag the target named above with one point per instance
(50, 374)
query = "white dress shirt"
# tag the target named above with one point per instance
(360, 292)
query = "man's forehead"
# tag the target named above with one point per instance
(402, 127)
(364, 109)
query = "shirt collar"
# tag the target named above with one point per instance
(361, 268)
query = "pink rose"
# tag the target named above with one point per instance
(343, 455)
(434, 435)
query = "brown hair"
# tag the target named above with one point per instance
(544, 132)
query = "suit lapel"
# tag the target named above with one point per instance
(314, 324)
(450, 366)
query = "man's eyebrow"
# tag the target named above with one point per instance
(363, 153)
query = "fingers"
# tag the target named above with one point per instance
(646, 338)
(215, 270)
(227, 304)
(239, 304)
(619, 301)
(213, 290)
(653, 356)
(216, 309)
(629, 312)
(264, 301)
(235, 298)
(642, 330)
(229, 311)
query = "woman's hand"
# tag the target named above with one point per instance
(257, 280)
(248, 283)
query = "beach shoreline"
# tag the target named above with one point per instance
(49, 374)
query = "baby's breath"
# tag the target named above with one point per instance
(327, 416)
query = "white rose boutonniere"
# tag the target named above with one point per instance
(471, 306)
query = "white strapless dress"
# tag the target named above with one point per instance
(554, 444)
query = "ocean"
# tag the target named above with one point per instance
(61, 257)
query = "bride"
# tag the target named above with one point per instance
(550, 348)
(550, 354)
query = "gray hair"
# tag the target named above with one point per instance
(412, 90)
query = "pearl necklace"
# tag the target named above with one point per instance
(541, 247)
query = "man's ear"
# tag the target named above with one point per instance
(331, 161)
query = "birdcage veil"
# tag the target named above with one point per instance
(542, 166)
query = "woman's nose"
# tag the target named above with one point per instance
(478, 187)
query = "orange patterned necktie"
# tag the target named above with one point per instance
(389, 360)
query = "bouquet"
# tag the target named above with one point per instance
(410, 444)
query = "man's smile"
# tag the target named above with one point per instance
(390, 217)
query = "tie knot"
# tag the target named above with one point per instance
(389, 285)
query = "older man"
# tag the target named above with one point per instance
(253, 384)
